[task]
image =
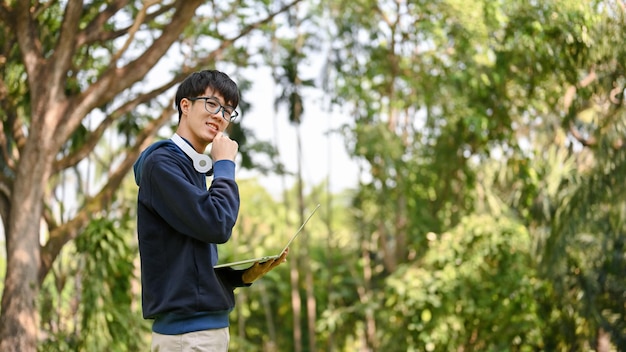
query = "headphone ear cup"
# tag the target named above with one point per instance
(202, 163)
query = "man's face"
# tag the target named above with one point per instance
(202, 124)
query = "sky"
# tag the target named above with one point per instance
(324, 154)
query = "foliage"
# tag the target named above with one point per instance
(441, 90)
(489, 215)
(588, 233)
(91, 305)
(475, 289)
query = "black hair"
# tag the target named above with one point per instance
(196, 84)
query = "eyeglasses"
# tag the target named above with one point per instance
(213, 106)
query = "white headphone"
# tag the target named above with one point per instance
(201, 162)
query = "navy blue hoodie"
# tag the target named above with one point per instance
(179, 224)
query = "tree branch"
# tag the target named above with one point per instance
(246, 30)
(133, 30)
(95, 136)
(5, 14)
(571, 91)
(94, 32)
(587, 142)
(138, 68)
(115, 80)
(61, 59)
(29, 45)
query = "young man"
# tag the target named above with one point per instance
(180, 222)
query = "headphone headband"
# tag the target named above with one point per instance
(201, 162)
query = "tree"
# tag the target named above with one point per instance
(293, 49)
(64, 63)
(439, 90)
(568, 195)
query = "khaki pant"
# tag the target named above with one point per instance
(197, 341)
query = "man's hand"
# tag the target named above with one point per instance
(223, 148)
(259, 269)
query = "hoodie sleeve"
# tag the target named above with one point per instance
(174, 191)
(232, 277)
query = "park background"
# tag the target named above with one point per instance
(468, 156)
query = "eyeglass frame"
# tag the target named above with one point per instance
(231, 115)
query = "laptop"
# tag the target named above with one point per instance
(269, 257)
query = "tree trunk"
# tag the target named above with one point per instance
(603, 341)
(367, 245)
(19, 322)
(296, 306)
(271, 344)
(311, 304)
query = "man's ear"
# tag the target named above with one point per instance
(185, 105)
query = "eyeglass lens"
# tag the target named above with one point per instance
(213, 106)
